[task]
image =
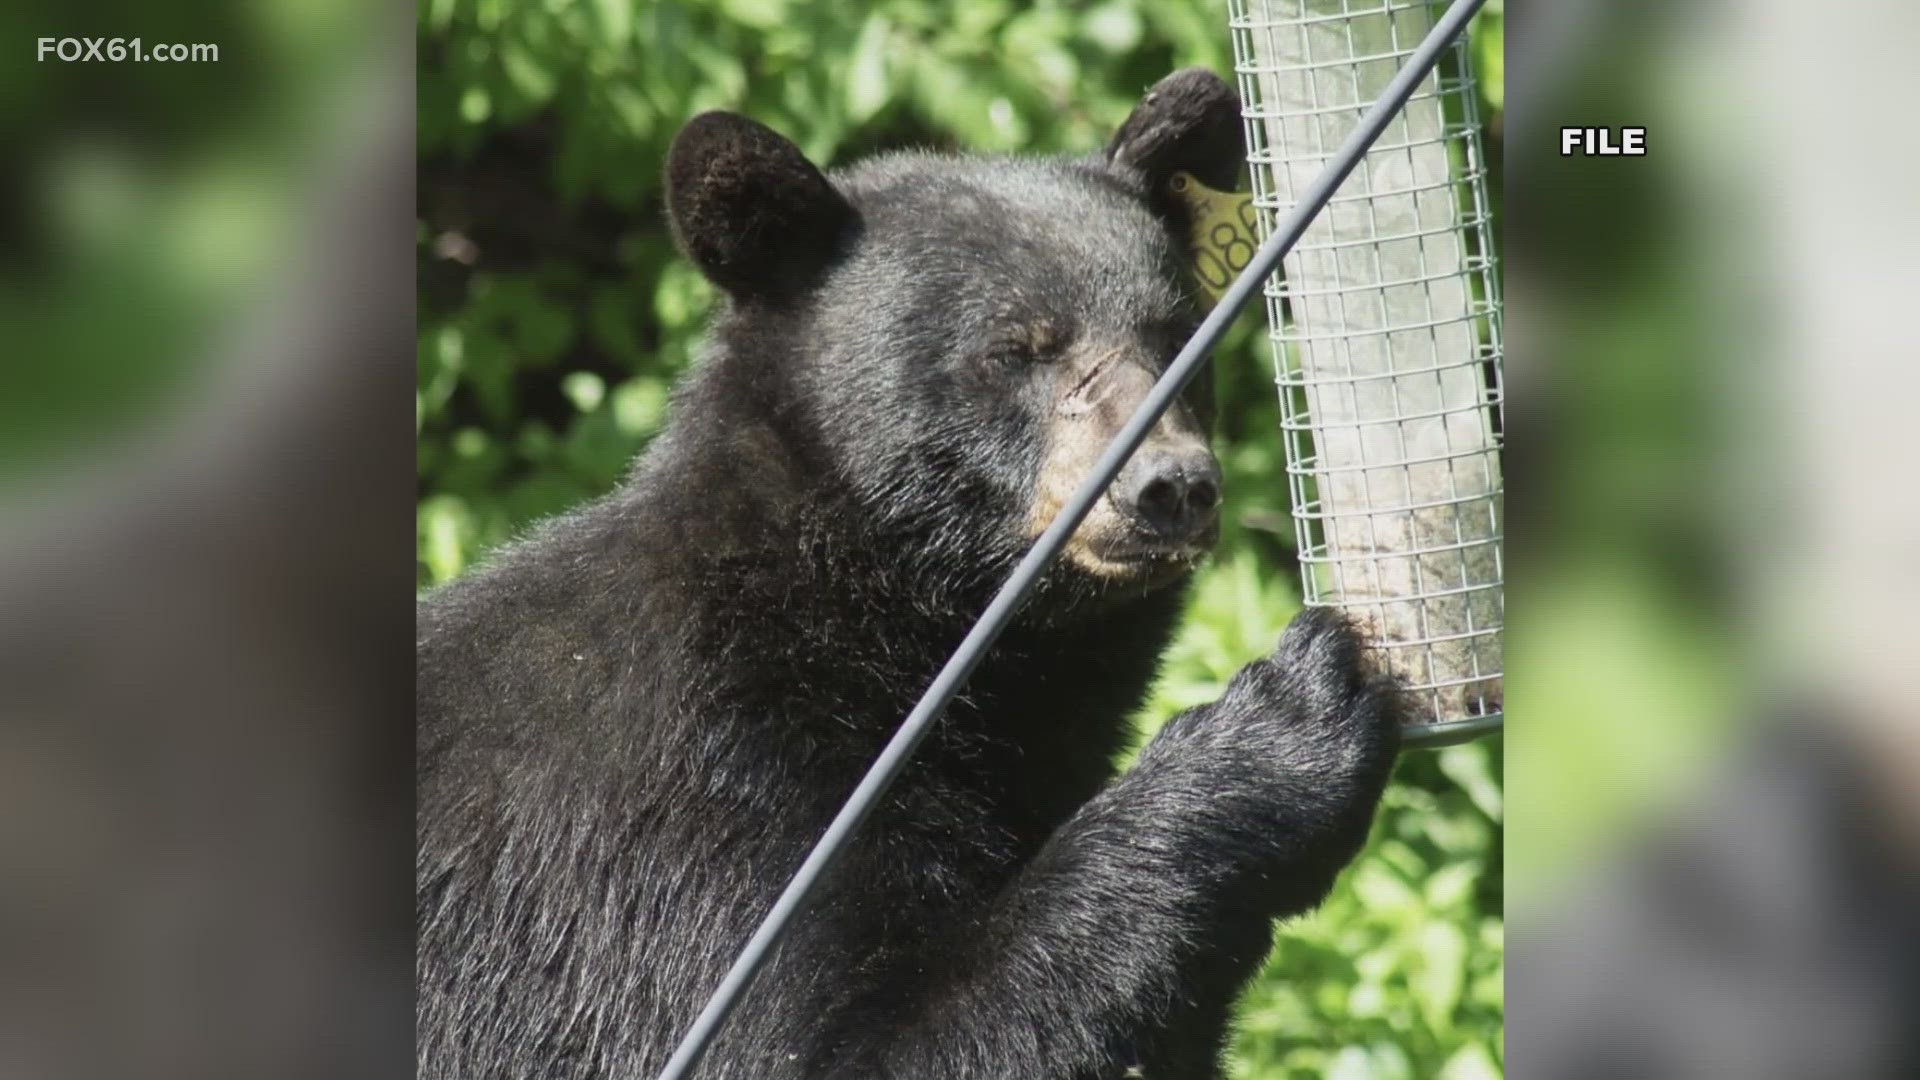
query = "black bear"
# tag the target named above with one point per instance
(634, 723)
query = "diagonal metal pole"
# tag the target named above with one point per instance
(1027, 574)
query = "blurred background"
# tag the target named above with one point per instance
(206, 544)
(144, 205)
(555, 314)
(1714, 827)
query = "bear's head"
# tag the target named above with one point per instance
(948, 343)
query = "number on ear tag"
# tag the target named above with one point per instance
(1225, 232)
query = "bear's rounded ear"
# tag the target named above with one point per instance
(1188, 122)
(748, 207)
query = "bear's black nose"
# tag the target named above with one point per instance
(1174, 494)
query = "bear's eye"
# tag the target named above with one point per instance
(1016, 352)
(1035, 343)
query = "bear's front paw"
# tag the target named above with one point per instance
(1284, 771)
(1314, 704)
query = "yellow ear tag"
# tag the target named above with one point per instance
(1225, 232)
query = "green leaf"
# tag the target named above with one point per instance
(1382, 890)
(527, 75)
(1389, 1062)
(868, 85)
(616, 20)
(639, 406)
(1115, 27)
(446, 527)
(439, 14)
(585, 389)
(1452, 887)
(1350, 1063)
(476, 105)
(1442, 972)
(635, 113)
(1470, 1062)
(1470, 766)
(759, 14)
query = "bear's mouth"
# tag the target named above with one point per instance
(1136, 557)
(1136, 554)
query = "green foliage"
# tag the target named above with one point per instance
(554, 317)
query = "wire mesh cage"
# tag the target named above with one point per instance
(1385, 324)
